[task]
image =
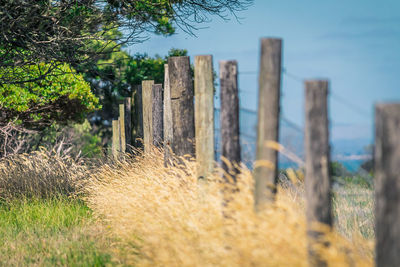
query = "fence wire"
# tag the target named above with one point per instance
(291, 137)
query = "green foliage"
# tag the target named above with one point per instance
(368, 165)
(176, 52)
(125, 71)
(114, 77)
(345, 178)
(86, 143)
(363, 181)
(337, 169)
(65, 31)
(61, 96)
(142, 67)
(159, 13)
(76, 138)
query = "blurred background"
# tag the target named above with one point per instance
(354, 44)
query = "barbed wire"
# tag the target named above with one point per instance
(334, 95)
(301, 80)
(292, 76)
(293, 125)
(289, 122)
(349, 105)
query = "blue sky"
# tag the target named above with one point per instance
(353, 43)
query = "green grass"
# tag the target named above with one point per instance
(52, 232)
(353, 208)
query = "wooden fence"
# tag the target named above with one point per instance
(168, 115)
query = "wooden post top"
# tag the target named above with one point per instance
(316, 83)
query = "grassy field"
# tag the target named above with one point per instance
(54, 212)
(52, 232)
(353, 207)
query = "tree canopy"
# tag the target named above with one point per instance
(77, 31)
(61, 60)
(61, 96)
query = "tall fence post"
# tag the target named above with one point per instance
(128, 123)
(115, 139)
(122, 127)
(266, 166)
(168, 133)
(158, 115)
(137, 118)
(182, 106)
(387, 184)
(229, 119)
(147, 102)
(204, 114)
(317, 175)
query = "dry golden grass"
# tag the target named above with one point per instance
(40, 174)
(166, 217)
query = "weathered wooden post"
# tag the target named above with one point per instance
(204, 114)
(137, 118)
(182, 106)
(317, 176)
(147, 101)
(168, 134)
(128, 123)
(158, 115)
(387, 184)
(115, 139)
(229, 120)
(266, 166)
(121, 121)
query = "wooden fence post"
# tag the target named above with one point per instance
(122, 127)
(168, 133)
(115, 138)
(387, 184)
(137, 118)
(317, 175)
(182, 106)
(128, 123)
(266, 166)
(204, 115)
(229, 120)
(158, 115)
(147, 102)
